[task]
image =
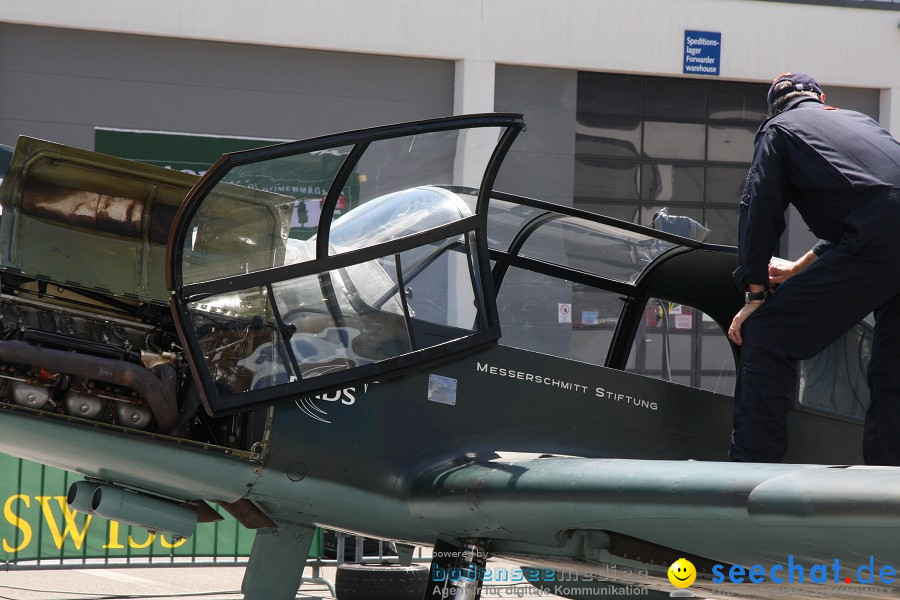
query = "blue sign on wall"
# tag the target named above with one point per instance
(702, 52)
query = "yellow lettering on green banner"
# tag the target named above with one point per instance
(17, 522)
(71, 528)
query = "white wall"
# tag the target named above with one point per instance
(839, 46)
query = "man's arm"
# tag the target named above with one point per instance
(761, 220)
(822, 247)
(734, 331)
(779, 272)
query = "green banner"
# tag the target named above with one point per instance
(37, 524)
(185, 152)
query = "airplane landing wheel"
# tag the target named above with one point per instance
(387, 581)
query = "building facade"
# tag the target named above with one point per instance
(627, 111)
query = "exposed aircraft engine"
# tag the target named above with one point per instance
(69, 362)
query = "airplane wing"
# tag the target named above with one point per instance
(649, 513)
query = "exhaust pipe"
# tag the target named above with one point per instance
(159, 392)
(132, 508)
(80, 496)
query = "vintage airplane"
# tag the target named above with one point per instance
(444, 364)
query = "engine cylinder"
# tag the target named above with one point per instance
(30, 396)
(86, 407)
(133, 416)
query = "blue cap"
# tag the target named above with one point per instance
(800, 83)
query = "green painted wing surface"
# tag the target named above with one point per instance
(737, 513)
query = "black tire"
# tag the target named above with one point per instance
(388, 581)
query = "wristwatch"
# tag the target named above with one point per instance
(751, 296)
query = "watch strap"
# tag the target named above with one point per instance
(753, 296)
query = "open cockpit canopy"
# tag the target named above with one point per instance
(400, 278)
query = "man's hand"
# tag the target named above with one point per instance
(734, 332)
(781, 270)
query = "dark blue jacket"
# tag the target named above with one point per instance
(824, 161)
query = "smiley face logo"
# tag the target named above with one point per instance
(682, 573)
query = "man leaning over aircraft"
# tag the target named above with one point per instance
(841, 171)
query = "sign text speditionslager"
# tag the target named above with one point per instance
(702, 52)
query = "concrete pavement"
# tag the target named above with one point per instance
(171, 583)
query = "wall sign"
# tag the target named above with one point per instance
(702, 52)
